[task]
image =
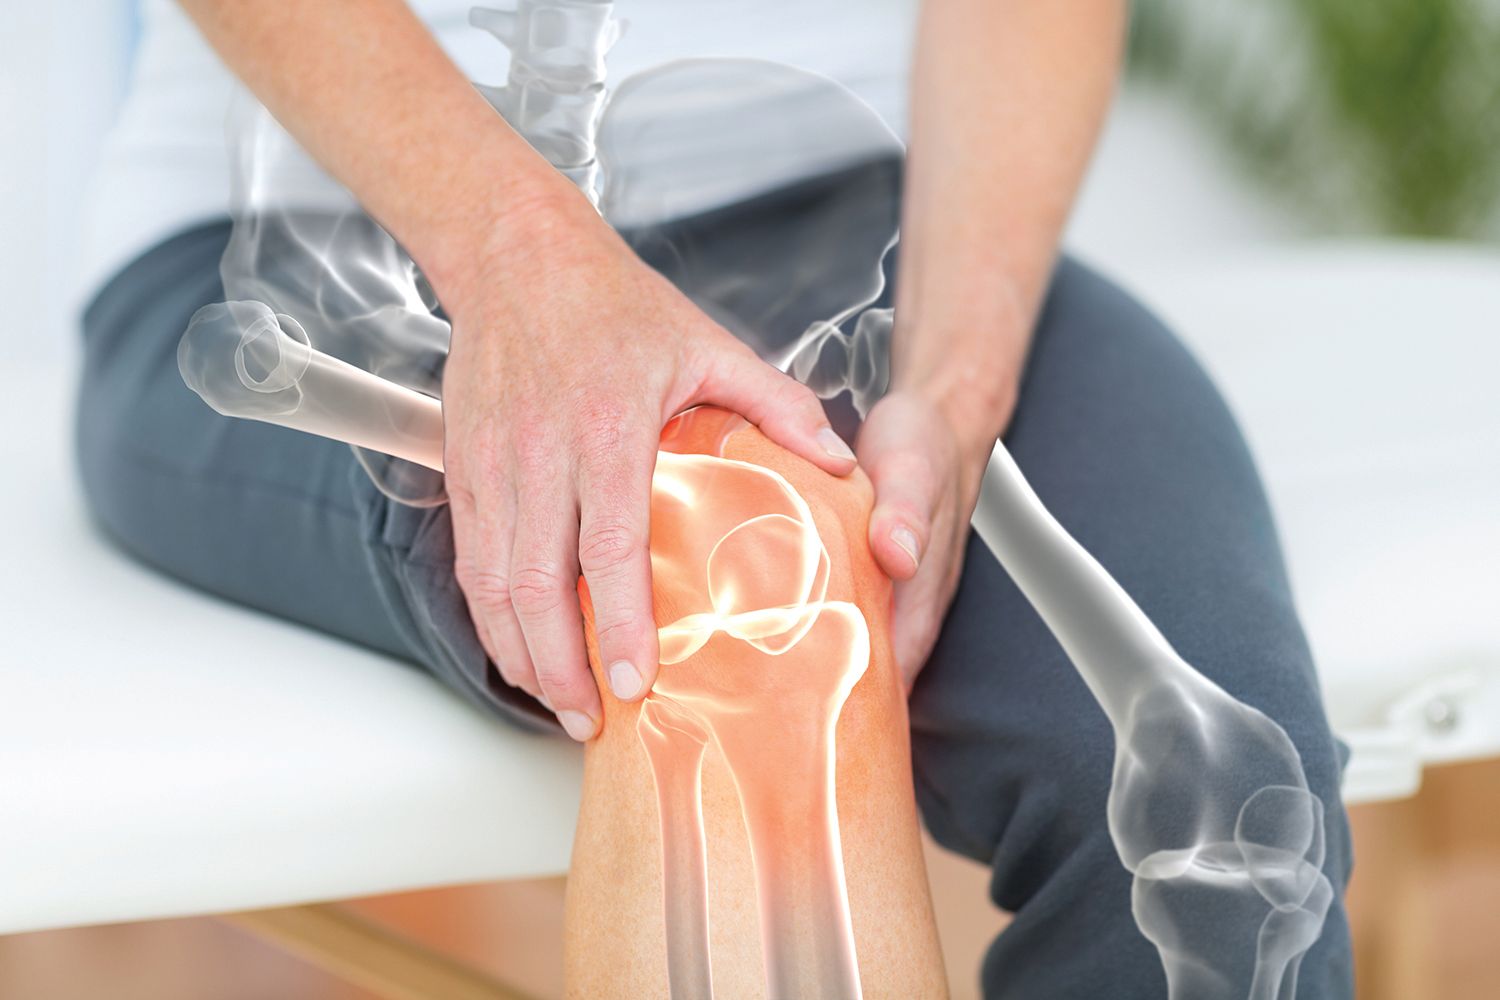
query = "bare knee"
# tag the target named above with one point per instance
(731, 672)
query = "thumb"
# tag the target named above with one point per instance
(785, 410)
(906, 493)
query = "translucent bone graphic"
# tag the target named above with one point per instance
(733, 544)
(246, 361)
(675, 743)
(772, 121)
(330, 331)
(829, 361)
(736, 548)
(1209, 806)
(303, 249)
(555, 86)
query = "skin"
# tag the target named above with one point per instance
(614, 945)
(548, 450)
(1007, 101)
(569, 356)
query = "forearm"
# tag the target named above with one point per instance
(366, 90)
(1007, 101)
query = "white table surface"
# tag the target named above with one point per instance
(1367, 379)
(165, 753)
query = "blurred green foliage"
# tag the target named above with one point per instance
(1369, 114)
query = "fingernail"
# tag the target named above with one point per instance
(624, 680)
(578, 725)
(834, 445)
(907, 539)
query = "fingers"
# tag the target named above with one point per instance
(543, 589)
(481, 545)
(917, 610)
(907, 490)
(784, 409)
(518, 566)
(614, 528)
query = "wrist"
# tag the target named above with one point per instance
(976, 410)
(524, 228)
(972, 378)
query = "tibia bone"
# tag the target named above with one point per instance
(759, 664)
(675, 743)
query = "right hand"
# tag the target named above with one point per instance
(568, 357)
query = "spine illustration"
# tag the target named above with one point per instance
(555, 88)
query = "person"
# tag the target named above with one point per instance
(549, 446)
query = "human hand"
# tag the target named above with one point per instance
(568, 357)
(926, 472)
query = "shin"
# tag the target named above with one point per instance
(778, 689)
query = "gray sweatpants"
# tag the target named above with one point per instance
(1117, 428)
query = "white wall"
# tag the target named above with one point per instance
(1160, 190)
(64, 67)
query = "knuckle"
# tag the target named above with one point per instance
(902, 514)
(537, 589)
(608, 544)
(718, 358)
(489, 590)
(464, 570)
(601, 417)
(793, 395)
(460, 494)
(467, 454)
(565, 683)
(622, 635)
(603, 431)
(517, 671)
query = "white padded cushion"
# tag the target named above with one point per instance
(1366, 380)
(167, 753)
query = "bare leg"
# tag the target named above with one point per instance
(616, 941)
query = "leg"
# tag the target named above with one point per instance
(763, 752)
(1127, 443)
(271, 518)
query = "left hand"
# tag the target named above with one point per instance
(926, 474)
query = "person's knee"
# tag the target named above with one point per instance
(750, 541)
(1322, 757)
(765, 655)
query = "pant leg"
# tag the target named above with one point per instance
(1126, 441)
(281, 521)
(1120, 433)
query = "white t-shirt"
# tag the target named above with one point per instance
(164, 165)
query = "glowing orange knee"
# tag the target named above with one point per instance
(763, 638)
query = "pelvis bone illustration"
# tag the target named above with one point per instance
(736, 555)
(330, 330)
